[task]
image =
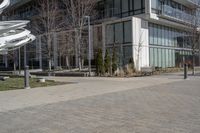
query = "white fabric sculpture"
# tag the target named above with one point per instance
(13, 33)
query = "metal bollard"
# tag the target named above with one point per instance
(185, 71)
(26, 78)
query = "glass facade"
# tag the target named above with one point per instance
(170, 8)
(169, 47)
(120, 8)
(119, 37)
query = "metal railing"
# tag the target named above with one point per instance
(177, 14)
(197, 2)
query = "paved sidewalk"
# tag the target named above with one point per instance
(81, 87)
(157, 104)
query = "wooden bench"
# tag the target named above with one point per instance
(147, 70)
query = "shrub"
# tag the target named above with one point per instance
(114, 61)
(99, 63)
(132, 64)
(107, 63)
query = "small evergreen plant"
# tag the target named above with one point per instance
(99, 63)
(114, 61)
(107, 63)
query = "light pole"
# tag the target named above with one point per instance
(19, 59)
(89, 45)
(26, 70)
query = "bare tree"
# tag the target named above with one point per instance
(66, 47)
(195, 36)
(76, 10)
(138, 50)
(48, 21)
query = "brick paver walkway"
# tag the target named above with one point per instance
(172, 107)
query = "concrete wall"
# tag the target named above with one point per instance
(140, 42)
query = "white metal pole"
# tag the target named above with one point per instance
(89, 42)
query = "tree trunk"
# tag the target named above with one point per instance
(138, 62)
(14, 67)
(14, 61)
(76, 49)
(67, 62)
(79, 52)
(193, 64)
(60, 60)
(49, 64)
(49, 48)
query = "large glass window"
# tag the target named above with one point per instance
(151, 34)
(159, 35)
(155, 33)
(117, 7)
(110, 34)
(125, 7)
(173, 58)
(127, 32)
(154, 4)
(159, 57)
(166, 36)
(109, 7)
(155, 57)
(137, 4)
(163, 36)
(151, 57)
(169, 39)
(163, 58)
(119, 33)
(167, 57)
(170, 58)
(128, 54)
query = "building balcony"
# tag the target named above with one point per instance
(177, 15)
(197, 2)
(189, 3)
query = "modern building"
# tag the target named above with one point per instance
(151, 32)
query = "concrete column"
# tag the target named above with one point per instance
(140, 40)
(55, 50)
